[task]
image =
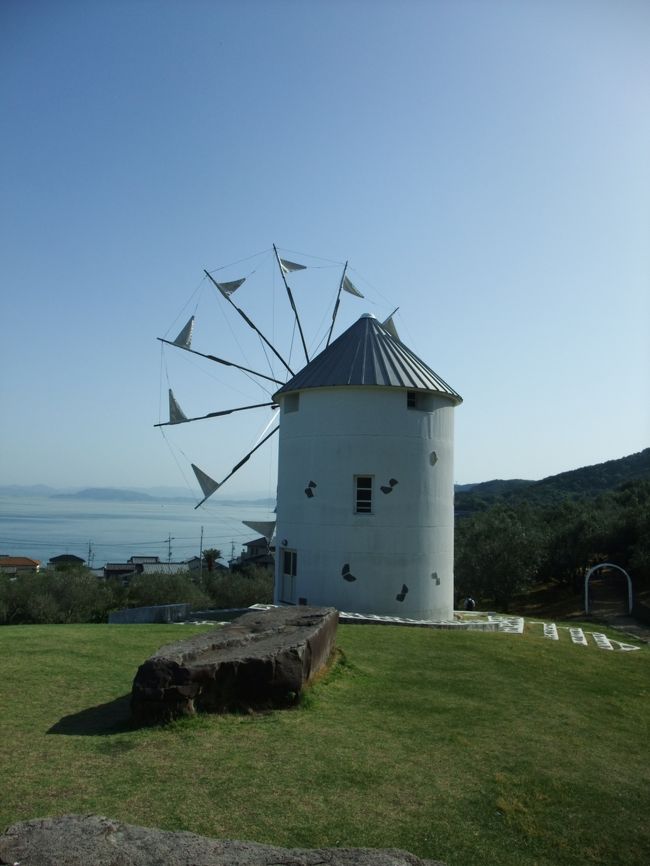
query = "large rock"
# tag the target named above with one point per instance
(89, 840)
(262, 659)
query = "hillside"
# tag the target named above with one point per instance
(509, 750)
(588, 481)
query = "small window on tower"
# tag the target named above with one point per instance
(363, 494)
(291, 403)
(419, 400)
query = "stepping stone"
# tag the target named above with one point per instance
(509, 625)
(578, 636)
(602, 641)
(625, 647)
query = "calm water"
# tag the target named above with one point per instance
(42, 528)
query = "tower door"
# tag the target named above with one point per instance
(288, 577)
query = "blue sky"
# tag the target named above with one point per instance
(482, 165)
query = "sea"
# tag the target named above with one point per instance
(41, 527)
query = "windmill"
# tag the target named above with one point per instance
(365, 472)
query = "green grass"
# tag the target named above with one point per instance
(468, 747)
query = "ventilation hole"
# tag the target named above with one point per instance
(393, 482)
(312, 484)
(435, 578)
(433, 458)
(402, 595)
(349, 577)
(346, 569)
(386, 489)
(309, 492)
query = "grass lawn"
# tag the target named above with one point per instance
(468, 747)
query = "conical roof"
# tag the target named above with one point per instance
(366, 354)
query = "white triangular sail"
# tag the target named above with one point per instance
(176, 414)
(208, 485)
(288, 266)
(264, 527)
(227, 289)
(184, 339)
(348, 286)
(389, 325)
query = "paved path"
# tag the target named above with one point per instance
(630, 626)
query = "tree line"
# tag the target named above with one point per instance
(511, 545)
(74, 594)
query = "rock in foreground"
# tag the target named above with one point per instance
(90, 840)
(263, 659)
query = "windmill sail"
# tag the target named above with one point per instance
(176, 414)
(389, 325)
(227, 289)
(208, 485)
(184, 339)
(348, 286)
(264, 527)
(288, 266)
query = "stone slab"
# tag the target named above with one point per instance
(262, 659)
(90, 840)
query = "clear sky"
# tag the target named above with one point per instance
(485, 166)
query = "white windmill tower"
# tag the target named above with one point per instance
(365, 518)
(365, 514)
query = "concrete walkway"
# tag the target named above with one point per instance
(629, 626)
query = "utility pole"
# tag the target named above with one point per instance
(169, 548)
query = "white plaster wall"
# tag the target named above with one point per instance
(338, 433)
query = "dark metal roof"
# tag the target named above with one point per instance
(366, 354)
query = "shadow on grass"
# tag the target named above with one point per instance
(113, 717)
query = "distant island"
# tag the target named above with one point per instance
(120, 494)
(106, 494)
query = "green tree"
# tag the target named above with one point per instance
(211, 555)
(498, 553)
(241, 588)
(150, 589)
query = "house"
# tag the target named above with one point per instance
(16, 565)
(194, 566)
(162, 568)
(258, 552)
(65, 560)
(120, 569)
(144, 565)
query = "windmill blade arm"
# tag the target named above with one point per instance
(223, 361)
(336, 305)
(214, 414)
(241, 463)
(250, 323)
(249, 455)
